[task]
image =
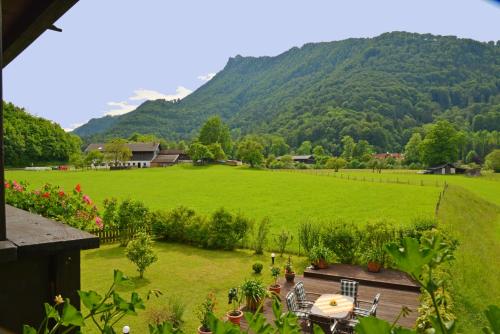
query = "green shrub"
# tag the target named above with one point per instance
(375, 237)
(282, 240)
(132, 216)
(320, 252)
(225, 231)
(260, 235)
(343, 239)
(140, 252)
(257, 267)
(309, 235)
(173, 225)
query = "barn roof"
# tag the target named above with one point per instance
(166, 158)
(134, 147)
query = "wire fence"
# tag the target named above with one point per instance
(376, 178)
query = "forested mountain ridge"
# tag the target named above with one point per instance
(379, 89)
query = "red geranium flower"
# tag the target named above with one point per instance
(78, 188)
(61, 193)
(7, 185)
(46, 194)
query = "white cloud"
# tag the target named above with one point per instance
(146, 94)
(73, 126)
(124, 107)
(121, 108)
(206, 77)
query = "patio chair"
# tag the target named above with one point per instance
(294, 307)
(301, 295)
(349, 288)
(372, 311)
(329, 326)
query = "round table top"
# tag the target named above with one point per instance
(342, 309)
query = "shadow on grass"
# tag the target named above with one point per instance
(111, 251)
(133, 284)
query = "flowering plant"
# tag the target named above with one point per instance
(73, 208)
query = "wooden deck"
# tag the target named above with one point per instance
(386, 278)
(391, 299)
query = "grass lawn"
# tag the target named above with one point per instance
(475, 222)
(287, 198)
(184, 272)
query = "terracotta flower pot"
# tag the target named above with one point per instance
(201, 331)
(252, 304)
(290, 277)
(275, 288)
(235, 319)
(374, 267)
(321, 264)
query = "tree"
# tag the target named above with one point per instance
(348, 145)
(140, 252)
(287, 161)
(94, 157)
(117, 151)
(440, 144)
(472, 157)
(199, 153)
(493, 161)
(319, 151)
(361, 149)
(278, 146)
(77, 160)
(250, 152)
(335, 163)
(216, 151)
(215, 131)
(305, 148)
(413, 149)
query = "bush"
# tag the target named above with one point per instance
(309, 235)
(282, 240)
(225, 231)
(257, 267)
(132, 216)
(375, 237)
(173, 225)
(343, 239)
(140, 252)
(260, 236)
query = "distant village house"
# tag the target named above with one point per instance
(146, 155)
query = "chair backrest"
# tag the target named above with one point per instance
(291, 301)
(300, 292)
(349, 288)
(373, 310)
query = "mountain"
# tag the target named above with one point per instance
(379, 89)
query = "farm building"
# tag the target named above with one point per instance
(233, 163)
(306, 159)
(447, 168)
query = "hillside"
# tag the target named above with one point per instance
(378, 89)
(31, 140)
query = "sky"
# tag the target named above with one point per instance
(114, 54)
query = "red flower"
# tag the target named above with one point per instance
(46, 194)
(61, 193)
(98, 222)
(78, 188)
(7, 185)
(87, 199)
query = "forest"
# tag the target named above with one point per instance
(31, 140)
(380, 89)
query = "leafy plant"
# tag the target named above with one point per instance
(257, 267)
(140, 252)
(320, 252)
(343, 239)
(253, 289)
(282, 240)
(275, 273)
(260, 236)
(234, 298)
(204, 312)
(309, 235)
(288, 266)
(104, 311)
(132, 215)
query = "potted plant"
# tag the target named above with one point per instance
(204, 311)
(320, 256)
(374, 258)
(289, 273)
(276, 287)
(234, 298)
(254, 292)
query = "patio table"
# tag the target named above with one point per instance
(343, 308)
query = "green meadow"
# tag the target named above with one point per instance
(470, 211)
(286, 198)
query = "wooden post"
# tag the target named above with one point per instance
(3, 225)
